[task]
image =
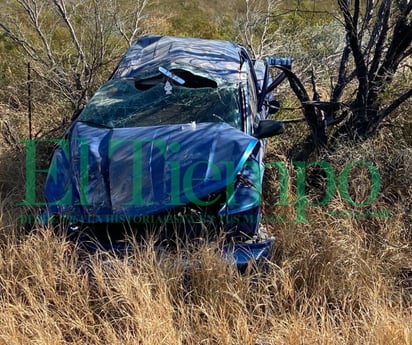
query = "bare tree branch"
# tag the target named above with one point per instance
(254, 26)
(377, 55)
(380, 28)
(61, 7)
(33, 10)
(21, 41)
(316, 124)
(368, 16)
(342, 80)
(361, 68)
(129, 25)
(395, 104)
(87, 40)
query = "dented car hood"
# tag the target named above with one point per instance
(103, 171)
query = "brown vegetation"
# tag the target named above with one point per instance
(344, 277)
(340, 279)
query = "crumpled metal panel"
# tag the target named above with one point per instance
(248, 189)
(219, 58)
(243, 254)
(143, 170)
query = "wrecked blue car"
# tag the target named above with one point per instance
(172, 144)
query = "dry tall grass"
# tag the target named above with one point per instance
(336, 280)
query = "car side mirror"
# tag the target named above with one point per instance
(269, 128)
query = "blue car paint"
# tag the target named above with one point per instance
(105, 188)
(243, 254)
(218, 58)
(112, 187)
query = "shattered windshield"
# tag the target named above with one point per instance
(130, 103)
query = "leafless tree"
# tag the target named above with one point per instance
(378, 44)
(69, 43)
(254, 25)
(129, 23)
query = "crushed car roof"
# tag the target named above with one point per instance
(217, 57)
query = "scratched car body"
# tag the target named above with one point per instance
(175, 138)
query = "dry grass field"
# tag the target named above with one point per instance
(344, 277)
(340, 272)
